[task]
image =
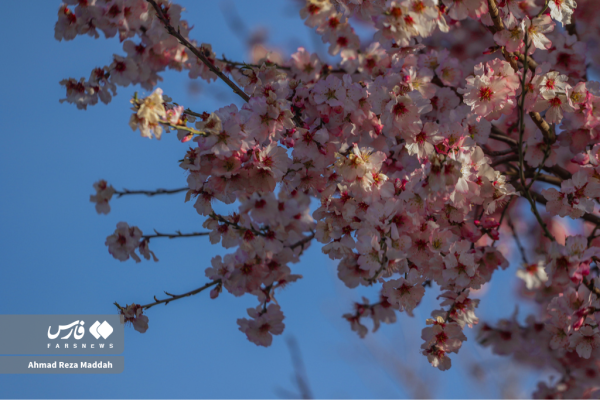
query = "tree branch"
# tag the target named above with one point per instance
(196, 52)
(497, 134)
(150, 193)
(547, 132)
(517, 240)
(498, 152)
(303, 241)
(505, 159)
(525, 188)
(179, 296)
(498, 25)
(539, 198)
(175, 235)
(549, 135)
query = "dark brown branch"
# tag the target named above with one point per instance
(545, 178)
(175, 33)
(559, 171)
(530, 173)
(175, 235)
(525, 188)
(150, 192)
(505, 159)
(498, 152)
(539, 198)
(243, 64)
(517, 240)
(498, 25)
(531, 63)
(591, 287)
(173, 297)
(547, 132)
(303, 241)
(235, 225)
(549, 135)
(497, 134)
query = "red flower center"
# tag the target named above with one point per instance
(400, 109)
(485, 93)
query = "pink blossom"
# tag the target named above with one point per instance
(104, 193)
(404, 293)
(123, 243)
(264, 324)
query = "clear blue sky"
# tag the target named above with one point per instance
(54, 260)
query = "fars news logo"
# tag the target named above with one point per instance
(76, 330)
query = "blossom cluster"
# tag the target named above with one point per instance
(413, 150)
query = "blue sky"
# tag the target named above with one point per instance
(54, 260)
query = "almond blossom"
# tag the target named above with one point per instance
(104, 193)
(534, 275)
(536, 30)
(485, 93)
(574, 197)
(562, 10)
(263, 325)
(401, 162)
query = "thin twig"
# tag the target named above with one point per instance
(549, 135)
(521, 133)
(175, 33)
(517, 240)
(498, 135)
(536, 173)
(150, 193)
(592, 235)
(498, 152)
(543, 10)
(504, 212)
(235, 225)
(244, 64)
(594, 219)
(544, 127)
(303, 241)
(299, 369)
(505, 159)
(175, 235)
(173, 297)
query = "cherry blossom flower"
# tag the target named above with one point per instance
(534, 275)
(123, 243)
(404, 293)
(512, 37)
(148, 115)
(585, 340)
(133, 314)
(104, 193)
(562, 10)
(484, 93)
(574, 197)
(461, 9)
(263, 325)
(536, 30)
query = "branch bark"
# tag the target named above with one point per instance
(196, 52)
(175, 235)
(150, 193)
(179, 296)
